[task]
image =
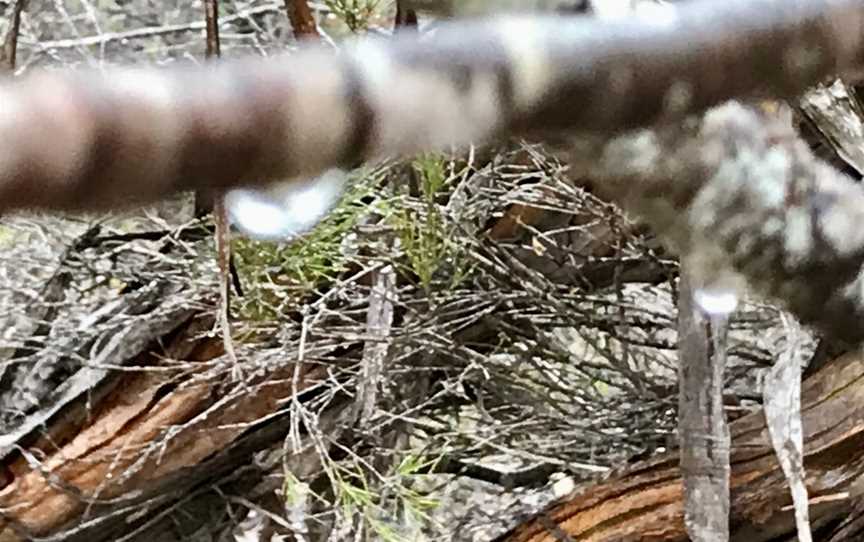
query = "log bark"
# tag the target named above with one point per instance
(141, 444)
(645, 502)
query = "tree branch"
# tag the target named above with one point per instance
(93, 141)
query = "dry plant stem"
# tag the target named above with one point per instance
(782, 405)
(223, 255)
(702, 427)
(741, 190)
(220, 214)
(406, 16)
(379, 323)
(94, 141)
(10, 41)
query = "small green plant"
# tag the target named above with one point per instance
(415, 503)
(354, 495)
(424, 232)
(352, 489)
(280, 274)
(356, 14)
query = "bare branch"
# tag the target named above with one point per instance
(220, 213)
(782, 398)
(379, 321)
(10, 41)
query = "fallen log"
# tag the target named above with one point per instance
(644, 502)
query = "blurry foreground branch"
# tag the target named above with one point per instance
(94, 141)
(744, 191)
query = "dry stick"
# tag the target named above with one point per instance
(702, 427)
(379, 323)
(10, 41)
(220, 214)
(781, 394)
(406, 16)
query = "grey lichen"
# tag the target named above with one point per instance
(742, 192)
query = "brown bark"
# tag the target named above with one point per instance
(645, 501)
(144, 439)
(9, 51)
(301, 19)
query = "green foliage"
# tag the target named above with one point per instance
(426, 236)
(432, 174)
(416, 504)
(356, 14)
(355, 496)
(280, 274)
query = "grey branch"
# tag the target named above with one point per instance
(702, 427)
(88, 141)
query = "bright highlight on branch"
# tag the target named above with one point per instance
(286, 210)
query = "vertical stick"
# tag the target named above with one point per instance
(220, 214)
(10, 41)
(701, 421)
(406, 17)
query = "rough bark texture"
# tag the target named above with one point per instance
(645, 502)
(833, 113)
(301, 19)
(702, 429)
(138, 447)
